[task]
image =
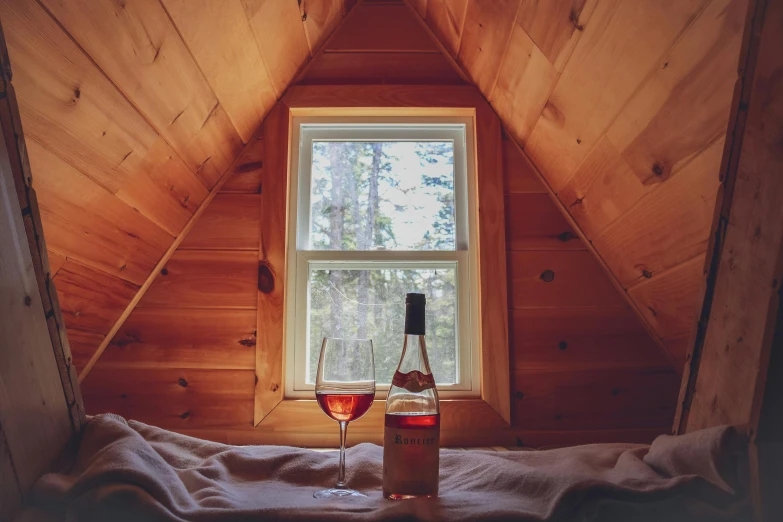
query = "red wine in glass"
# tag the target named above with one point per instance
(345, 389)
(344, 407)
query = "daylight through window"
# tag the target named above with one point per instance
(379, 209)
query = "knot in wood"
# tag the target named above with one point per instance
(266, 278)
(164, 271)
(520, 395)
(183, 382)
(547, 276)
(562, 345)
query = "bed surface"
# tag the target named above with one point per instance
(131, 471)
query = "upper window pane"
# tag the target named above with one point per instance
(382, 195)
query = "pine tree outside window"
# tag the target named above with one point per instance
(379, 208)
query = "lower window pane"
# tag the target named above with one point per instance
(370, 303)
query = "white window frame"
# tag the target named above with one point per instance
(301, 259)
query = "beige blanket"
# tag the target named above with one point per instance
(131, 471)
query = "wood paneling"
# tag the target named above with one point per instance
(175, 398)
(246, 176)
(577, 280)
(91, 300)
(623, 42)
(139, 49)
(567, 339)
(56, 262)
(231, 222)
(83, 345)
(642, 244)
(381, 27)
(219, 37)
(380, 68)
(320, 17)
(670, 300)
(485, 37)
(205, 279)
(280, 36)
(693, 87)
(533, 222)
(524, 84)
(595, 399)
(446, 18)
(555, 25)
(180, 338)
(518, 174)
(41, 410)
(84, 222)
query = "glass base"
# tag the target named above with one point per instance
(337, 492)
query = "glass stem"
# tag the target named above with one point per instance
(341, 473)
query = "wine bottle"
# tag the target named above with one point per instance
(411, 438)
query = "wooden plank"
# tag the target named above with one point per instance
(231, 222)
(669, 300)
(75, 111)
(271, 257)
(35, 419)
(177, 338)
(485, 38)
(492, 262)
(360, 67)
(193, 398)
(320, 18)
(667, 227)
(678, 349)
(602, 189)
(56, 262)
(381, 28)
(85, 222)
(205, 279)
(581, 339)
(280, 37)
(685, 104)
(83, 345)
(524, 83)
(622, 44)
(91, 300)
(533, 222)
(577, 281)
(247, 173)
(595, 399)
(161, 265)
(446, 19)
(518, 174)
(555, 26)
(139, 49)
(219, 37)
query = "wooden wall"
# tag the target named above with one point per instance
(583, 367)
(41, 410)
(622, 105)
(186, 355)
(580, 358)
(132, 113)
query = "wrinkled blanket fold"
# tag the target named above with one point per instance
(130, 471)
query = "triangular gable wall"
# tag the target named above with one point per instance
(580, 359)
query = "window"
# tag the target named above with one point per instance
(379, 208)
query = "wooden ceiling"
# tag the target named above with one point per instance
(622, 105)
(133, 111)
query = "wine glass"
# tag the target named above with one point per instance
(345, 389)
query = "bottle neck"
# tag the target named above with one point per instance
(414, 355)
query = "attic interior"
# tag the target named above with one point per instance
(613, 228)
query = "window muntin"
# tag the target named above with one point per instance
(410, 232)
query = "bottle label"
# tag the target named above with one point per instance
(410, 460)
(414, 382)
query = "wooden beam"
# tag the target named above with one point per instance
(163, 260)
